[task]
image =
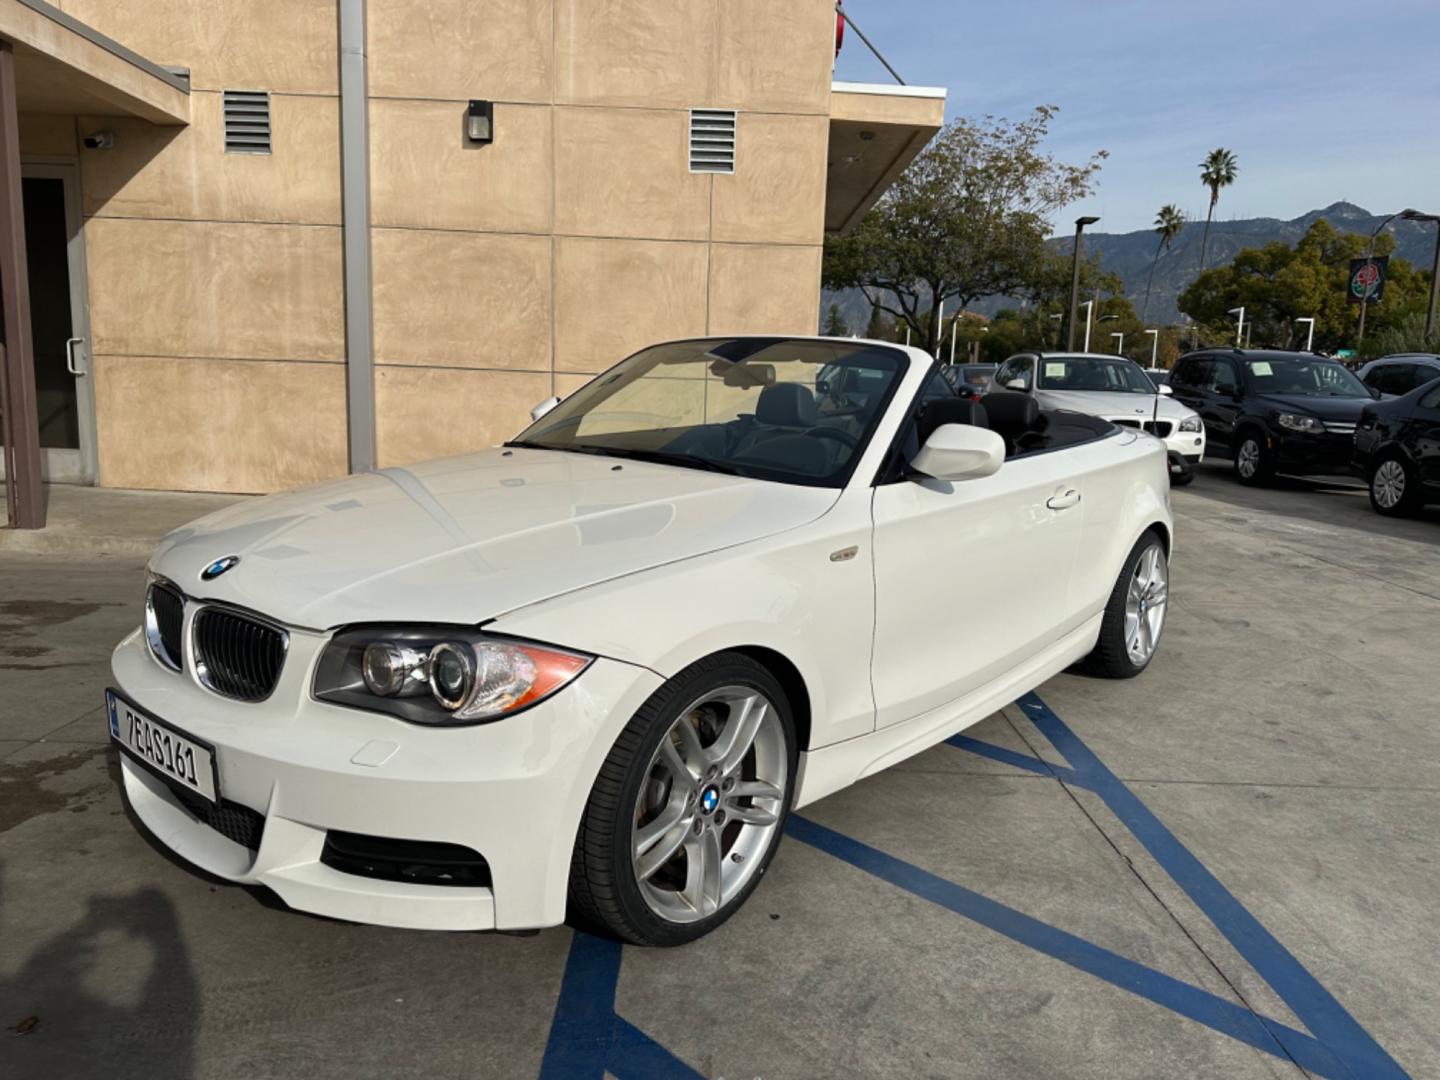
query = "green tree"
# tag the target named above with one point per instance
(1277, 284)
(876, 328)
(1217, 171)
(835, 323)
(1168, 223)
(967, 219)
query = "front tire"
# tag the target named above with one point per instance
(689, 806)
(1135, 613)
(1393, 487)
(1253, 465)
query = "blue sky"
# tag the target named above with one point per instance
(1319, 100)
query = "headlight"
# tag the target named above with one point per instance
(440, 675)
(1296, 422)
(1190, 423)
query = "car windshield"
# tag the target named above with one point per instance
(978, 374)
(795, 411)
(1116, 376)
(1304, 377)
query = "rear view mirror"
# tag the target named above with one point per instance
(960, 452)
(1164, 388)
(749, 376)
(544, 407)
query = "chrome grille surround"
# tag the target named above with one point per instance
(238, 654)
(164, 620)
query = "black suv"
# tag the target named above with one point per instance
(1273, 411)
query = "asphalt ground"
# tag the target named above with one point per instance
(1225, 868)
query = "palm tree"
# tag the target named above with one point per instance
(1168, 223)
(1216, 171)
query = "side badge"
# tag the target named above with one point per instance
(218, 567)
(845, 554)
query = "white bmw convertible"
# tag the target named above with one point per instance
(592, 671)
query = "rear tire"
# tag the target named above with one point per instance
(689, 806)
(1135, 613)
(1253, 464)
(1394, 487)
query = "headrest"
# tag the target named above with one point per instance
(1011, 413)
(941, 411)
(786, 405)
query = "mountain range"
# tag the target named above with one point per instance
(1129, 255)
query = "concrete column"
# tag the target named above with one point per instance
(24, 496)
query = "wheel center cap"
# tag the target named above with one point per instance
(709, 799)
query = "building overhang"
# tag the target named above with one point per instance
(875, 131)
(64, 66)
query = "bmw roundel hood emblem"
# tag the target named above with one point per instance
(218, 567)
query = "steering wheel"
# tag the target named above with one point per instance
(838, 434)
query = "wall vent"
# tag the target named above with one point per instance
(247, 122)
(712, 140)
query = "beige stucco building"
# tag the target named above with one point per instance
(376, 280)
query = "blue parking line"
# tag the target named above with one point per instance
(588, 1038)
(1316, 1008)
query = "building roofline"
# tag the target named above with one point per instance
(891, 89)
(110, 45)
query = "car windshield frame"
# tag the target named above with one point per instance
(740, 364)
(1118, 362)
(1254, 377)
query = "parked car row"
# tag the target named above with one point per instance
(1268, 412)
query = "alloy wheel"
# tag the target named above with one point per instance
(1388, 484)
(710, 805)
(1247, 462)
(1145, 604)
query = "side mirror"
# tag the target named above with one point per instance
(960, 452)
(544, 407)
(1017, 384)
(1164, 390)
(1374, 392)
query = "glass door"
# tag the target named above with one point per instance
(59, 323)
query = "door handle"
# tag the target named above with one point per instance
(71, 360)
(1063, 500)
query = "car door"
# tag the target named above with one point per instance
(1423, 436)
(1224, 388)
(1188, 383)
(971, 578)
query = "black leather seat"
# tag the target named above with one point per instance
(1015, 418)
(941, 411)
(786, 405)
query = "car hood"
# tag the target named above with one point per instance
(1345, 410)
(1115, 405)
(465, 539)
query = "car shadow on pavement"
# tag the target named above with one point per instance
(83, 999)
(1324, 502)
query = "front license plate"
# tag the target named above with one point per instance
(175, 756)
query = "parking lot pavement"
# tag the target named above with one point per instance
(1224, 868)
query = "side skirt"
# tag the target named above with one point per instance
(825, 771)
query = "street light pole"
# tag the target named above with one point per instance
(1239, 325)
(1057, 319)
(1089, 307)
(1415, 215)
(1080, 224)
(1154, 345)
(1310, 337)
(1120, 348)
(1408, 215)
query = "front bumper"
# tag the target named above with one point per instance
(512, 790)
(1299, 454)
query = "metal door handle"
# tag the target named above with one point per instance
(1064, 500)
(70, 356)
